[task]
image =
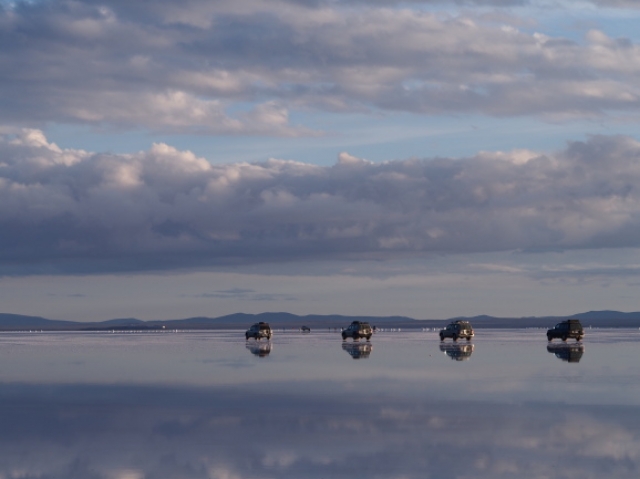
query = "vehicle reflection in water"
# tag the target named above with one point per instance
(259, 348)
(358, 350)
(457, 352)
(571, 353)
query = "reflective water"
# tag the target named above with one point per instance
(211, 405)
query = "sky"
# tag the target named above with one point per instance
(163, 159)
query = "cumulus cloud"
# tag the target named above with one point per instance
(72, 210)
(242, 67)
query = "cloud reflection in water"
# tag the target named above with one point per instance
(338, 428)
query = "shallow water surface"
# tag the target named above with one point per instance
(212, 405)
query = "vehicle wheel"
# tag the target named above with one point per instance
(246, 337)
(344, 337)
(455, 337)
(549, 338)
(564, 338)
(441, 337)
(468, 338)
(369, 338)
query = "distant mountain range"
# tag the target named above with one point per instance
(17, 322)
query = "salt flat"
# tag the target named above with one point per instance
(212, 405)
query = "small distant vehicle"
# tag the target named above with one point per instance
(457, 329)
(305, 329)
(571, 328)
(357, 330)
(259, 331)
(358, 350)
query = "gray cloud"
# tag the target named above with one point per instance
(245, 294)
(229, 68)
(234, 292)
(617, 3)
(71, 210)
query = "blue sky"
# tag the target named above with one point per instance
(165, 159)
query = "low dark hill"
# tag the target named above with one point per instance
(598, 319)
(123, 322)
(19, 321)
(286, 320)
(608, 316)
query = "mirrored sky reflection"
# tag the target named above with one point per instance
(164, 406)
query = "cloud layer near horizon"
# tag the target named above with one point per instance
(241, 68)
(76, 211)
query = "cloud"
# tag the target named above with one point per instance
(617, 3)
(587, 273)
(246, 295)
(165, 209)
(241, 69)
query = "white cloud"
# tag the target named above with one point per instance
(167, 209)
(192, 68)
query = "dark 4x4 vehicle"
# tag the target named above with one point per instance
(258, 331)
(571, 328)
(357, 330)
(457, 329)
